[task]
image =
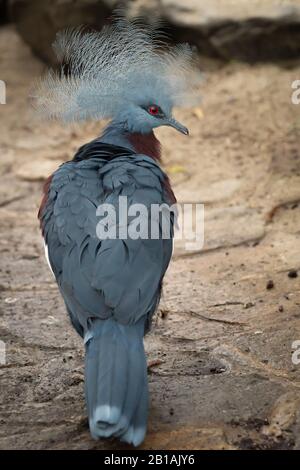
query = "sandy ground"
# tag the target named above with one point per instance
(222, 341)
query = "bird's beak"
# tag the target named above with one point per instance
(179, 127)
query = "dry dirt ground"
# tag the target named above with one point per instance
(222, 341)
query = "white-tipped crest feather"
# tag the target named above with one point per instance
(102, 71)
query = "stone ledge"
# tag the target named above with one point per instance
(225, 29)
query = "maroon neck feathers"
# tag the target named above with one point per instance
(146, 144)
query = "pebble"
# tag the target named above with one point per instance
(292, 273)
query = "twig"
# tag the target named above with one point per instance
(218, 320)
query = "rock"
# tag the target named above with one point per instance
(217, 191)
(201, 12)
(37, 170)
(230, 226)
(38, 22)
(257, 30)
(3, 11)
(190, 438)
(224, 227)
(8, 193)
(293, 273)
(283, 415)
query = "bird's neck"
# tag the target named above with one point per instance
(146, 144)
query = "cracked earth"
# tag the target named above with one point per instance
(220, 352)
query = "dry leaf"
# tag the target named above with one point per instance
(198, 113)
(174, 169)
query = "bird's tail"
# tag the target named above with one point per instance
(116, 381)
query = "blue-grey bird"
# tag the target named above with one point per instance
(111, 285)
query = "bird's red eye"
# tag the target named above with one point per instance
(154, 110)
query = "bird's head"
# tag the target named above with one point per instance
(126, 73)
(144, 113)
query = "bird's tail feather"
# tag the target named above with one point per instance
(116, 381)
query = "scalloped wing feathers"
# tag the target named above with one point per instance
(121, 277)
